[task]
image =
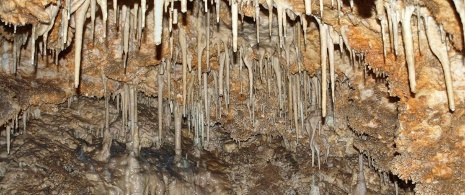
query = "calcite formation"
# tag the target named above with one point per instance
(232, 97)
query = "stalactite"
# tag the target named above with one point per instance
(115, 10)
(295, 109)
(393, 15)
(207, 35)
(439, 49)
(93, 5)
(80, 18)
(408, 45)
(143, 5)
(257, 22)
(8, 138)
(177, 129)
(227, 64)
(126, 22)
(33, 43)
(277, 70)
(308, 7)
(24, 121)
(323, 51)
(330, 45)
(383, 34)
(158, 18)
(207, 108)
(222, 57)
(103, 5)
(270, 14)
(248, 64)
(218, 4)
(234, 19)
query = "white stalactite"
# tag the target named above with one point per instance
(220, 73)
(330, 44)
(234, 19)
(158, 18)
(93, 5)
(126, 23)
(80, 18)
(277, 70)
(144, 9)
(324, 54)
(439, 49)
(248, 63)
(308, 7)
(383, 35)
(104, 6)
(183, 43)
(408, 45)
(115, 9)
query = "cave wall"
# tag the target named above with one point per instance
(382, 78)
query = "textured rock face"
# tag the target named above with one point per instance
(329, 79)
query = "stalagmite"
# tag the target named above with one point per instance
(360, 188)
(158, 18)
(408, 45)
(80, 18)
(105, 95)
(234, 24)
(439, 49)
